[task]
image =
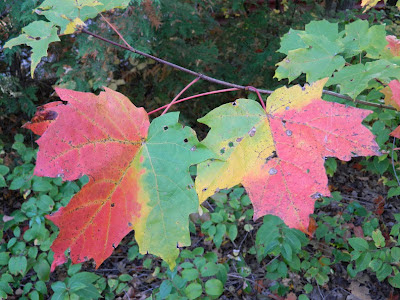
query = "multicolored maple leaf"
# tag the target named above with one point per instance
(278, 154)
(392, 97)
(139, 175)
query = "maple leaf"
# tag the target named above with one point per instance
(392, 97)
(278, 154)
(355, 78)
(393, 45)
(37, 35)
(313, 52)
(392, 94)
(139, 175)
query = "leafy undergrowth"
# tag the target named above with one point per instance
(231, 256)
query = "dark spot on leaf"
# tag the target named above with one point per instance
(186, 140)
(190, 186)
(165, 128)
(288, 132)
(252, 132)
(287, 107)
(308, 171)
(193, 148)
(205, 189)
(112, 204)
(222, 151)
(230, 144)
(129, 224)
(273, 155)
(86, 258)
(239, 139)
(272, 171)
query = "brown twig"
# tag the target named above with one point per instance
(211, 79)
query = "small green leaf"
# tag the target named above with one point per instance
(165, 289)
(37, 35)
(17, 183)
(4, 170)
(384, 272)
(375, 264)
(4, 258)
(42, 269)
(232, 232)
(395, 281)
(363, 261)
(41, 184)
(190, 274)
(17, 265)
(358, 244)
(209, 269)
(214, 287)
(193, 290)
(395, 252)
(125, 277)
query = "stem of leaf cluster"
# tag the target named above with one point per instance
(208, 78)
(195, 96)
(252, 88)
(180, 93)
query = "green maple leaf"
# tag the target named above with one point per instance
(68, 13)
(37, 35)
(360, 37)
(317, 61)
(313, 51)
(354, 79)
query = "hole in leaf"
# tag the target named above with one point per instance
(308, 171)
(239, 139)
(203, 190)
(222, 151)
(113, 245)
(186, 140)
(165, 128)
(287, 107)
(288, 132)
(193, 148)
(272, 171)
(190, 186)
(129, 224)
(112, 204)
(234, 103)
(252, 132)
